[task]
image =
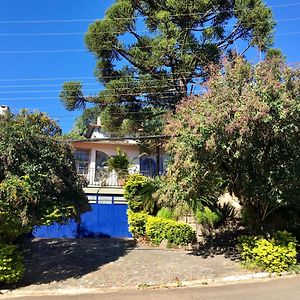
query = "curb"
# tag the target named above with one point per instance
(6, 294)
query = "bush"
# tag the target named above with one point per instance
(159, 229)
(166, 213)
(11, 264)
(207, 217)
(137, 223)
(274, 255)
(138, 190)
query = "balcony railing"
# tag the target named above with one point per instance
(104, 178)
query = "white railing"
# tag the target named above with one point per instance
(104, 178)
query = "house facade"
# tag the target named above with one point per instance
(108, 215)
(91, 156)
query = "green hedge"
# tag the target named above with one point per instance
(11, 264)
(159, 229)
(137, 223)
(275, 255)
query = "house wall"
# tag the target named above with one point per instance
(132, 151)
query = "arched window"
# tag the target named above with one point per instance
(148, 166)
(101, 172)
(101, 159)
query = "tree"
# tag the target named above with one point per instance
(151, 54)
(38, 179)
(245, 131)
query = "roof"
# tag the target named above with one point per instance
(124, 138)
(121, 140)
(104, 141)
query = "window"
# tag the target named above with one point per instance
(148, 166)
(101, 159)
(82, 160)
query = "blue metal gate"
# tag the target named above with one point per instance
(107, 218)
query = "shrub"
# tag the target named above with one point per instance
(166, 213)
(207, 217)
(275, 255)
(11, 264)
(120, 163)
(159, 229)
(138, 190)
(137, 223)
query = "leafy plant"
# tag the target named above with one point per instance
(137, 223)
(11, 264)
(138, 190)
(247, 120)
(207, 217)
(276, 254)
(38, 178)
(119, 163)
(176, 233)
(166, 213)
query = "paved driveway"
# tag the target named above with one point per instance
(104, 263)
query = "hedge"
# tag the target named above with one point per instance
(11, 264)
(157, 229)
(275, 255)
(137, 223)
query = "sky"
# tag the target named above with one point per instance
(34, 63)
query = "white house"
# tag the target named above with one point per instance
(92, 154)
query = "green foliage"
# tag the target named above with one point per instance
(242, 133)
(11, 264)
(119, 163)
(275, 255)
(137, 223)
(166, 213)
(89, 116)
(38, 178)
(176, 233)
(160, 66)
(71, 91)
(207, 217)
(138, 190)
(158, 229)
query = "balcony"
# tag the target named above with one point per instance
(104, 178)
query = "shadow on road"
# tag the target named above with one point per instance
(48, 260)
(221, 243)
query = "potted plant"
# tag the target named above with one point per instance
(120, 164)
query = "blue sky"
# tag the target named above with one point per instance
(33, 79)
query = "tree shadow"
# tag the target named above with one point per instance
(48, 260)
(219, 243)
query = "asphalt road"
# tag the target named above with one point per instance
(274, 289)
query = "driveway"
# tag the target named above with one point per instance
(105, 263)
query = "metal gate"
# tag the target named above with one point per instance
(107, 218)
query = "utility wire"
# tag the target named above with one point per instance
(121, 32)
(137, 17)
(97, 83)
(85, 50)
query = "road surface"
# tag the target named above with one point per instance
(274, 289)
